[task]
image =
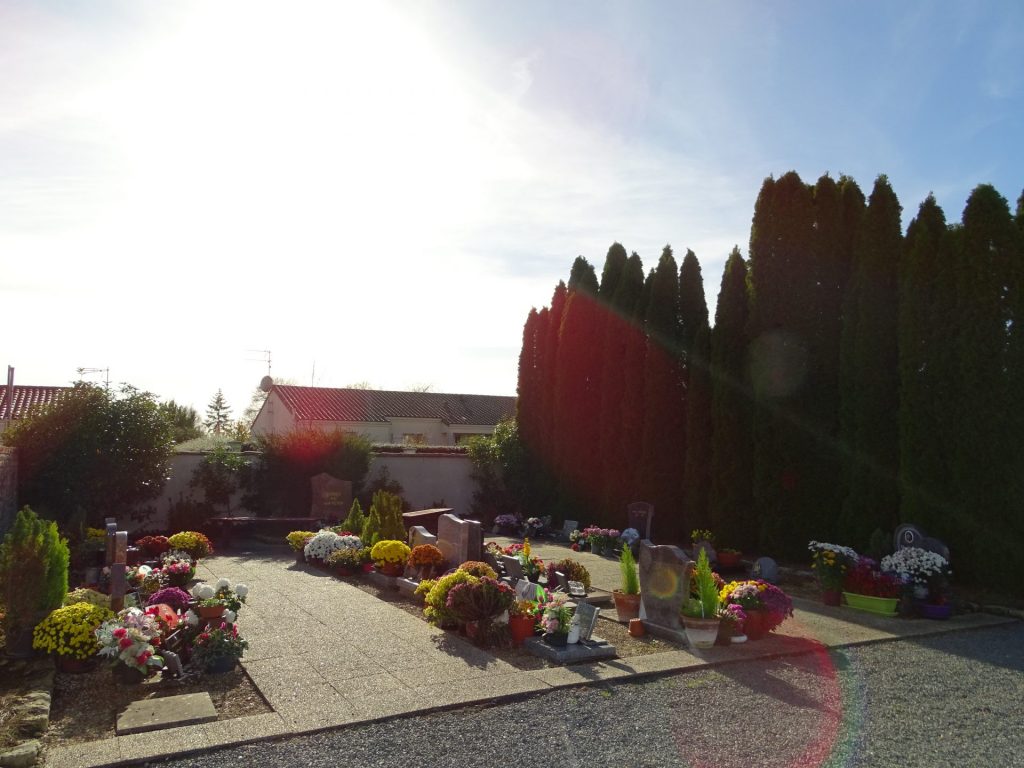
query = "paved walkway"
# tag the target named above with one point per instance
(326, 654)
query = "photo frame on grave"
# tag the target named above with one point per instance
(587, 615)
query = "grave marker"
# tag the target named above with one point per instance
(910, 535)
(332, 497)
(587, 615)
(419, 535)
(664, 584)
(118, 585)
(459, 540)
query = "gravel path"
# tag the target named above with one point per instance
(955, 699)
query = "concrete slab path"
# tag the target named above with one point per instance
(326, 654)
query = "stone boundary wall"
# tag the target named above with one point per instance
(8, 487)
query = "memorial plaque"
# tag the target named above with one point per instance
(527, 590)
(332, 498)
(664, 585)
(587, 615)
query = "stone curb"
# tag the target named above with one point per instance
(32, 709)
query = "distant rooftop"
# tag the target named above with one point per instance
(27, 400)
(374, 405)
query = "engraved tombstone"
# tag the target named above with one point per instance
(459, 540)
(664, 584)
(587, 615)
(513, 568)
(419, 535)
(639, 515)
(332, 497)
(908, 535)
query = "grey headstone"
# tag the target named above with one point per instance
(332, 497)
(587, 615)
(459, 540)
(765, 568)
(419, 535)
(563, 581)
(513, 568)
(111, 532)
(527, 590)
(166, 712)
(664, 585)
(492, 561)
(568, 527)
(173, 663)
(577, 653)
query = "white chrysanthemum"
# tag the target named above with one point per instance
(222, 584)
(241, 590)
(229, 617)
(350, 542)
(203, 591)
(322, 545)
(821, 546)
(191, 618)
(915, 564)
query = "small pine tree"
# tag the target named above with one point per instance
(218, 414)
(356, 518)
(389, 508)
(370, 533)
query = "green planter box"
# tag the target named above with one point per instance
(883, 606)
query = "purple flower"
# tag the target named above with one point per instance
(175, 597)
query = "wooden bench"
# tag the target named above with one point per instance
(227, 527)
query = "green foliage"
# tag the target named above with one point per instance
(697, 470)
(388, 509)
(706, 603)
(500, 469)
(436, 610)
(218, 414)
(96, 453)
(356, 519)
(184, 421)
(278, 483)
(219, 475)
(630, 578)
(33, 570)
(370, 532)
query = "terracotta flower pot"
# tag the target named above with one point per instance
(627, 606)
(391, 569)
(637, 628)
(728, 559)
(211, 611)
(757, 624)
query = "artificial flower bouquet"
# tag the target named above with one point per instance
(864, 578)
(507, 522)
(533, 566)
(830, 563)
(196, 544)
(534, 525)
(131, 639)
(71, 631)
(556, 615)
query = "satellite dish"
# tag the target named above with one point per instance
(266, 383)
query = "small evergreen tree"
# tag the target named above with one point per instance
(218, 414)
(184, 421)
(356, 519)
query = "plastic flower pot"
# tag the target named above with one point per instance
(211, 611)
(882, 606)
(757, 624)
(556, 639)
(701, 633)
(221, 664)
(637, 628)
(937, 612)
(521, 627)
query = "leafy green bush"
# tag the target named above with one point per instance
(277, 483)
(385, 520)
(33, 570)
(219, 475)
(96, 451)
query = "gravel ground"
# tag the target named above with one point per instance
(955, 699)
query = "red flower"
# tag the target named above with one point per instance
(125, 642)
(575, 547)
(205, 636)
(120, 632)
(143, 657)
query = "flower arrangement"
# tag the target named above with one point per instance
(735, 614)
(176, 597)
(758, 595)
(350, 560)
(557, 615)
(221, 594)
(155, 581)
(863, 578)
(390, 552)
(600, 537)
(192, 542)
(173, 556)
(153, 546)
(135, 576)
(533, 566)
(478, 569)
(177, 567)
(917, 566)
(435, 594)
(523, 608)
(698, 535)
(507, 521)
(298, 540)
(90, 596)
(830, 562)
(426, 556)
(479, 600)
(322, 545)
(70, 631)
(130, 638)
(534, 525)
(573, 570)
(217, 643)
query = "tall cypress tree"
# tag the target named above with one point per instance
(731, 496)
(928, 368)
(528, 387)
(870, 374)
(697, 469)
(693, 306)
(664, 434)
(550, 439)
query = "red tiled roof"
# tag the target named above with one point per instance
(369, 405)
(29, 399)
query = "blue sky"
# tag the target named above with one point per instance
(386, 189)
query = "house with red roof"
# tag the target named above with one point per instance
(418, 418)
(21, 401)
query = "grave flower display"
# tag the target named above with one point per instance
(390, 556)
(533, 566)
(320, 547)
(130, 641)
(600, 539)
(925, 570)
(70, 632)
(555, 619)
(176, 597)
(196, 544)
(435, 595)
(177, 567)
(522, 620)
(830, 563)
(298, 540)
(346, 562)
(214, 601)
(765, 605)
(507, 523)
(868, 589)
(218, 649)
(153, 546)
(427, 560)
(86, 595)
(477, 603)
(574, 570)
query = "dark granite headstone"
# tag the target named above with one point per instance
(908, 535)
(587, 615)
(664, 585)
(332, 497)
(513, 568)
(640, 515)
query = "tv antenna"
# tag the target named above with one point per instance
(106, 371)
(264, 357)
